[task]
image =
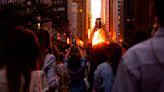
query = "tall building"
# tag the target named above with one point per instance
(110, 17)
(69, 12)
(60, 16)
(99, 9)
(77, 19)
(105, 16)
(137, 16)
(3, 2)
(115, 21)
(81, 22)
(121, 20)
(74, 19)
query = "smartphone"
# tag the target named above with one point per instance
(98, 22)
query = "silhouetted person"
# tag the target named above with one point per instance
(63, 74)
(21, 53)
(98, 56)
(105, 72)
(142, 67)
(47, 59)
(76, 63)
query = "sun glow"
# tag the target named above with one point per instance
(99, 36)
(95, 10)
(95, 39)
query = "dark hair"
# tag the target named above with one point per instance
(74, 62)
(61, 57)
(100, 53)
(115, 53)
(44, 42)
(21, 56)
(43, 38)
(74, 59)
(55, 53)
(74, 49)
(158, 10)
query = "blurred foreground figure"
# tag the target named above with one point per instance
(20, 60)
(142, 66)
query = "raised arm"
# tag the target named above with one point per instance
(81, 52)
(68, 53)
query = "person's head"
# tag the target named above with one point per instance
(114, 55)
(74, 50)
(21, 56)
(44, 39)
(61, 56)
(55, 53)
(74, 59)
(100, 53)
(158, 11)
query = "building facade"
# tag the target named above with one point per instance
(77, 15)
(74, 19)
(137, 16)
(81, 19)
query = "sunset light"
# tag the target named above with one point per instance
(99, 36)
(95, 11)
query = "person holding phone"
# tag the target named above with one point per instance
(76, 63)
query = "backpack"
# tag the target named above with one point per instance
(64, 78)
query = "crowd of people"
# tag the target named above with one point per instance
(30, 62)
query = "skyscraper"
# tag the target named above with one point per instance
(137, 16)
(80, 23)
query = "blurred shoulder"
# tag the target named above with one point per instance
(132, 57)
(103, 67)
(138, 48)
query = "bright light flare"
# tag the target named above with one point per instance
(99, 37)
(68, 41)
(95, 13)
(95, 10)
(95, 39)
(38, 25)
(89, 33)
(79, 42)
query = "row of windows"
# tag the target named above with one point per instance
(59, 1)
(59, 9)
(3, 2)
(119, 7)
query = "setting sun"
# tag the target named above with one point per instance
(96, 10)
